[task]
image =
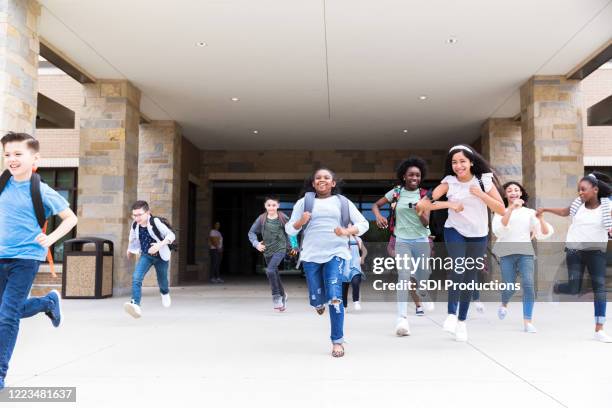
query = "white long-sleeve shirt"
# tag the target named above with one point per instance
(164, 251)
(320, 243)
(515, 238)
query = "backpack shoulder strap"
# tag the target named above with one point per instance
(4, 178)
(397, 191)
(282, 217)
(309, 199)
(345, 216)
(479, 177)
(262, 221)
(574, 206)
(155, 229)
(423, 192)
(37, 201)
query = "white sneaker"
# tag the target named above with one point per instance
(461, 332)
(132, 309)
(357, 306)
(530, 328)
(402, 328)
(603, 337)
(450, 324)
(428, 306)
(480, 307)
(166, 301)
(502, 312)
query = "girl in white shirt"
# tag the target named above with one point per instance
(586, 243)
(514, 231)
(470, 187)
(325, 246)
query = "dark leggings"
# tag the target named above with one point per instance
(355, 283)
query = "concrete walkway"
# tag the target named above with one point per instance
(223, 346)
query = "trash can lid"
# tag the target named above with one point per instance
(98, 242)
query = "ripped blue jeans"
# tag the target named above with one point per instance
(324, 286)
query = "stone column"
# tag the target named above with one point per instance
(108, 171)
(501, 146)
(19, 48)
(159, 179)
(551, 124)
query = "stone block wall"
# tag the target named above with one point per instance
(108, 170)
(501, 146)
(19, 47)
(159, 179)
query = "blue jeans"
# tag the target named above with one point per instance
(595, 261)
(276, 285)
(16, 277)
(511, 266)
(324, 286)
(460, 248)
(142, 267)
(418, 248)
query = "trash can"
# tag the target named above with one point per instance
(88, 268)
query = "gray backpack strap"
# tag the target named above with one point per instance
(345, 216)
(309, 199)
(574, 206)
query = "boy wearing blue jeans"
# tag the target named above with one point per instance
(23, 245)
(150, 237)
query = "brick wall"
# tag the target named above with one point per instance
(595, 87)
(61, 143)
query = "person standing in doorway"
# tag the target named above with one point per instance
(150, 237)
(274, 245)
(215, 242)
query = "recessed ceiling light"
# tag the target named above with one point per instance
(235, 99)
(256, 131)
(201, 44)
(405, 131)
(422, 97)
(452, 40)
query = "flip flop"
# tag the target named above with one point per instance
(337, 353)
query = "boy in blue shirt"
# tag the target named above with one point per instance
(23, 245)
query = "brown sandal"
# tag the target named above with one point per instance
(338, 353)
(321, 310)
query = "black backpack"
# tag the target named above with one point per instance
(173, 246)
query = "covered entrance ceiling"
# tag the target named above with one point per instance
(358, 74)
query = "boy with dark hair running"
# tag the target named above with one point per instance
(150, 237)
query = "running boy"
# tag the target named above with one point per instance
(23, 245)
(150, 237)
(271, 226)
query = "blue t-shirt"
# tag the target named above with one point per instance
(18, 225)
